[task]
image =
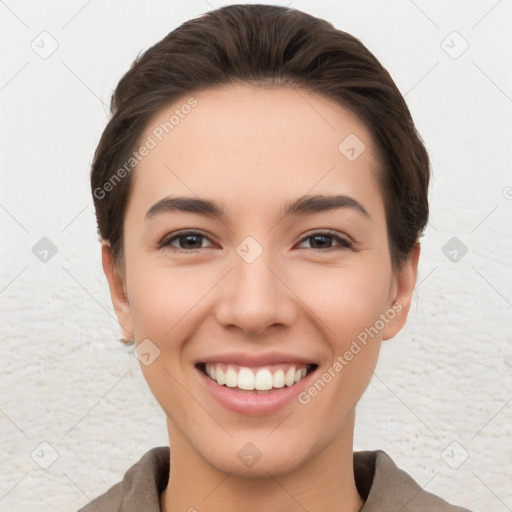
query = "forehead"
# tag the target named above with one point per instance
(248, 141)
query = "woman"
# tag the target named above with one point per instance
(260, 192)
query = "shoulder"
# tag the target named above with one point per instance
(140, 487)
(386, 487)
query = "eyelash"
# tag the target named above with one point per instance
(344, 243)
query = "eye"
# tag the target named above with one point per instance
(187, 241)
(192, 241)
(324, 240)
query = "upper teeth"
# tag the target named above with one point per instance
(255, 379)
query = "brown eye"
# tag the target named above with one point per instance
(325, 240)
(185, 241)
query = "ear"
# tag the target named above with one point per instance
(117, 291)
(401, 298)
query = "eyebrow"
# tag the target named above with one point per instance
(304, 205)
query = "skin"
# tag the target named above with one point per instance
(252, 149)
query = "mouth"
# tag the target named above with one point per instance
(263, 380)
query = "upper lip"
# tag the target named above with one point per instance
(255, 360)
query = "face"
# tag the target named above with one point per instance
(256, 251)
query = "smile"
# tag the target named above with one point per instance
(255, 388)
(263, 379)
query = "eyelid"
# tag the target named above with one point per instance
(344, 241)
(165, 242)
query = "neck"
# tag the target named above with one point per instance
(324, 482)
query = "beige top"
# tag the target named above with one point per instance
(383, 486)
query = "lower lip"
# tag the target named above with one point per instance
(254, 404)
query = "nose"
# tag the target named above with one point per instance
(255, 296)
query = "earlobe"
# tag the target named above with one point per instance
(117, 291)
(405, 282)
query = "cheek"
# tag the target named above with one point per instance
(164, 302)
(164, 299)
(349, 307)
(343, 301)
(348, 300)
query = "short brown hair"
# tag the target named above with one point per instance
(260, 44)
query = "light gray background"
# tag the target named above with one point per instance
(442, 390)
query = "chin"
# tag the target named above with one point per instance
(269, 465)
(256, 457)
